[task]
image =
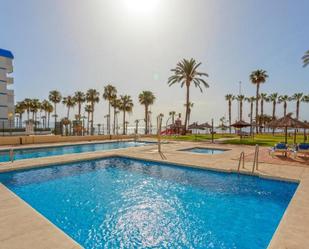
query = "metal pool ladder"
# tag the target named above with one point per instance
(256, 159)
(241, 161)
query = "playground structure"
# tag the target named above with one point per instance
(174, 129)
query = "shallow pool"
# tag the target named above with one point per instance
(67, 149)
(201, 150)
(124, 203)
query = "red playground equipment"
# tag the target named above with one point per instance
(173, 129)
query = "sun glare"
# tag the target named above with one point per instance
(142, 6)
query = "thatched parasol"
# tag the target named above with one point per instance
(288, 122)
(240, 124)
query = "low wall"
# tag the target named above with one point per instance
(17, 140)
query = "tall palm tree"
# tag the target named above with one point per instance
(298, 98)
(20, 109)
(47, 107)
(229, 98)
(126, 105)
(115, 103)
(185, 73)
(69, 102)
(146, 98)
(240, 99)
(35, 106)
(258, 77)
(55, 97)
(189, 110)
(305, 59)
(284, 99)
(172, 114)
(110, 93)
(79, 98)
(92, 97)
(28, 103)
(273, 98)
(263, 98)
(89, 110)
(251, 100)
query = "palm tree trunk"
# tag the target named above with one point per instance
(55, 114)
(79, 110)
(262, 113)
(230, 115)
(173, 118)
(92, 108)
(109, 117)
(187, 108)
(48, 120)
(146, 119)
(285, 106)
(240, 110)
(88, 117)
(124, 123)
(257, 107)
(297, 109)
(68, 113)
(274, 114)
(21, 120)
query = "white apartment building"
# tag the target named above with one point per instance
(6, 95)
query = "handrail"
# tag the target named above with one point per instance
(255, 165)
(241, 161)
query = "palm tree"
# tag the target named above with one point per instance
(186, 73)
(88, 109)
(28, 103)
(66, 122)
(284, 99)
(20, 109)
(189, 110)
(172, 114)
(240, 99)
(305, 59)
(55, 97)
(115, 103)
(126, 105)
(69, 102)
(257, 78)
(298, 98)
(110, 93)
(92, 97)
(79, 98)
(273, 98)
(229, 98)
(263, 98)
(48, 109)
(146, 98)
(251, 100)
(35, 106)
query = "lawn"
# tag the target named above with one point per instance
(260, 139)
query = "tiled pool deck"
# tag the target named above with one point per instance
(23, 227)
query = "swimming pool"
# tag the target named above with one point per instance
(67, 149)
(124, 203)
(201, 150)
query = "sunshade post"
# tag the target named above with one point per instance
(212, 130)
(286, 135)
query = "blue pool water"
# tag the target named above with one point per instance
(67, 149)
(206, 150)
(125, 203)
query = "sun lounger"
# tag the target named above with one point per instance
(279, 148)
(302, 148)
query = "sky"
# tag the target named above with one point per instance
(76, 45)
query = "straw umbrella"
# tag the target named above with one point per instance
(195, 126)
(288, 122)
(240, 124)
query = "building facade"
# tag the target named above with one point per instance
(6, 94)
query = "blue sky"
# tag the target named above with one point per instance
(75, 45)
